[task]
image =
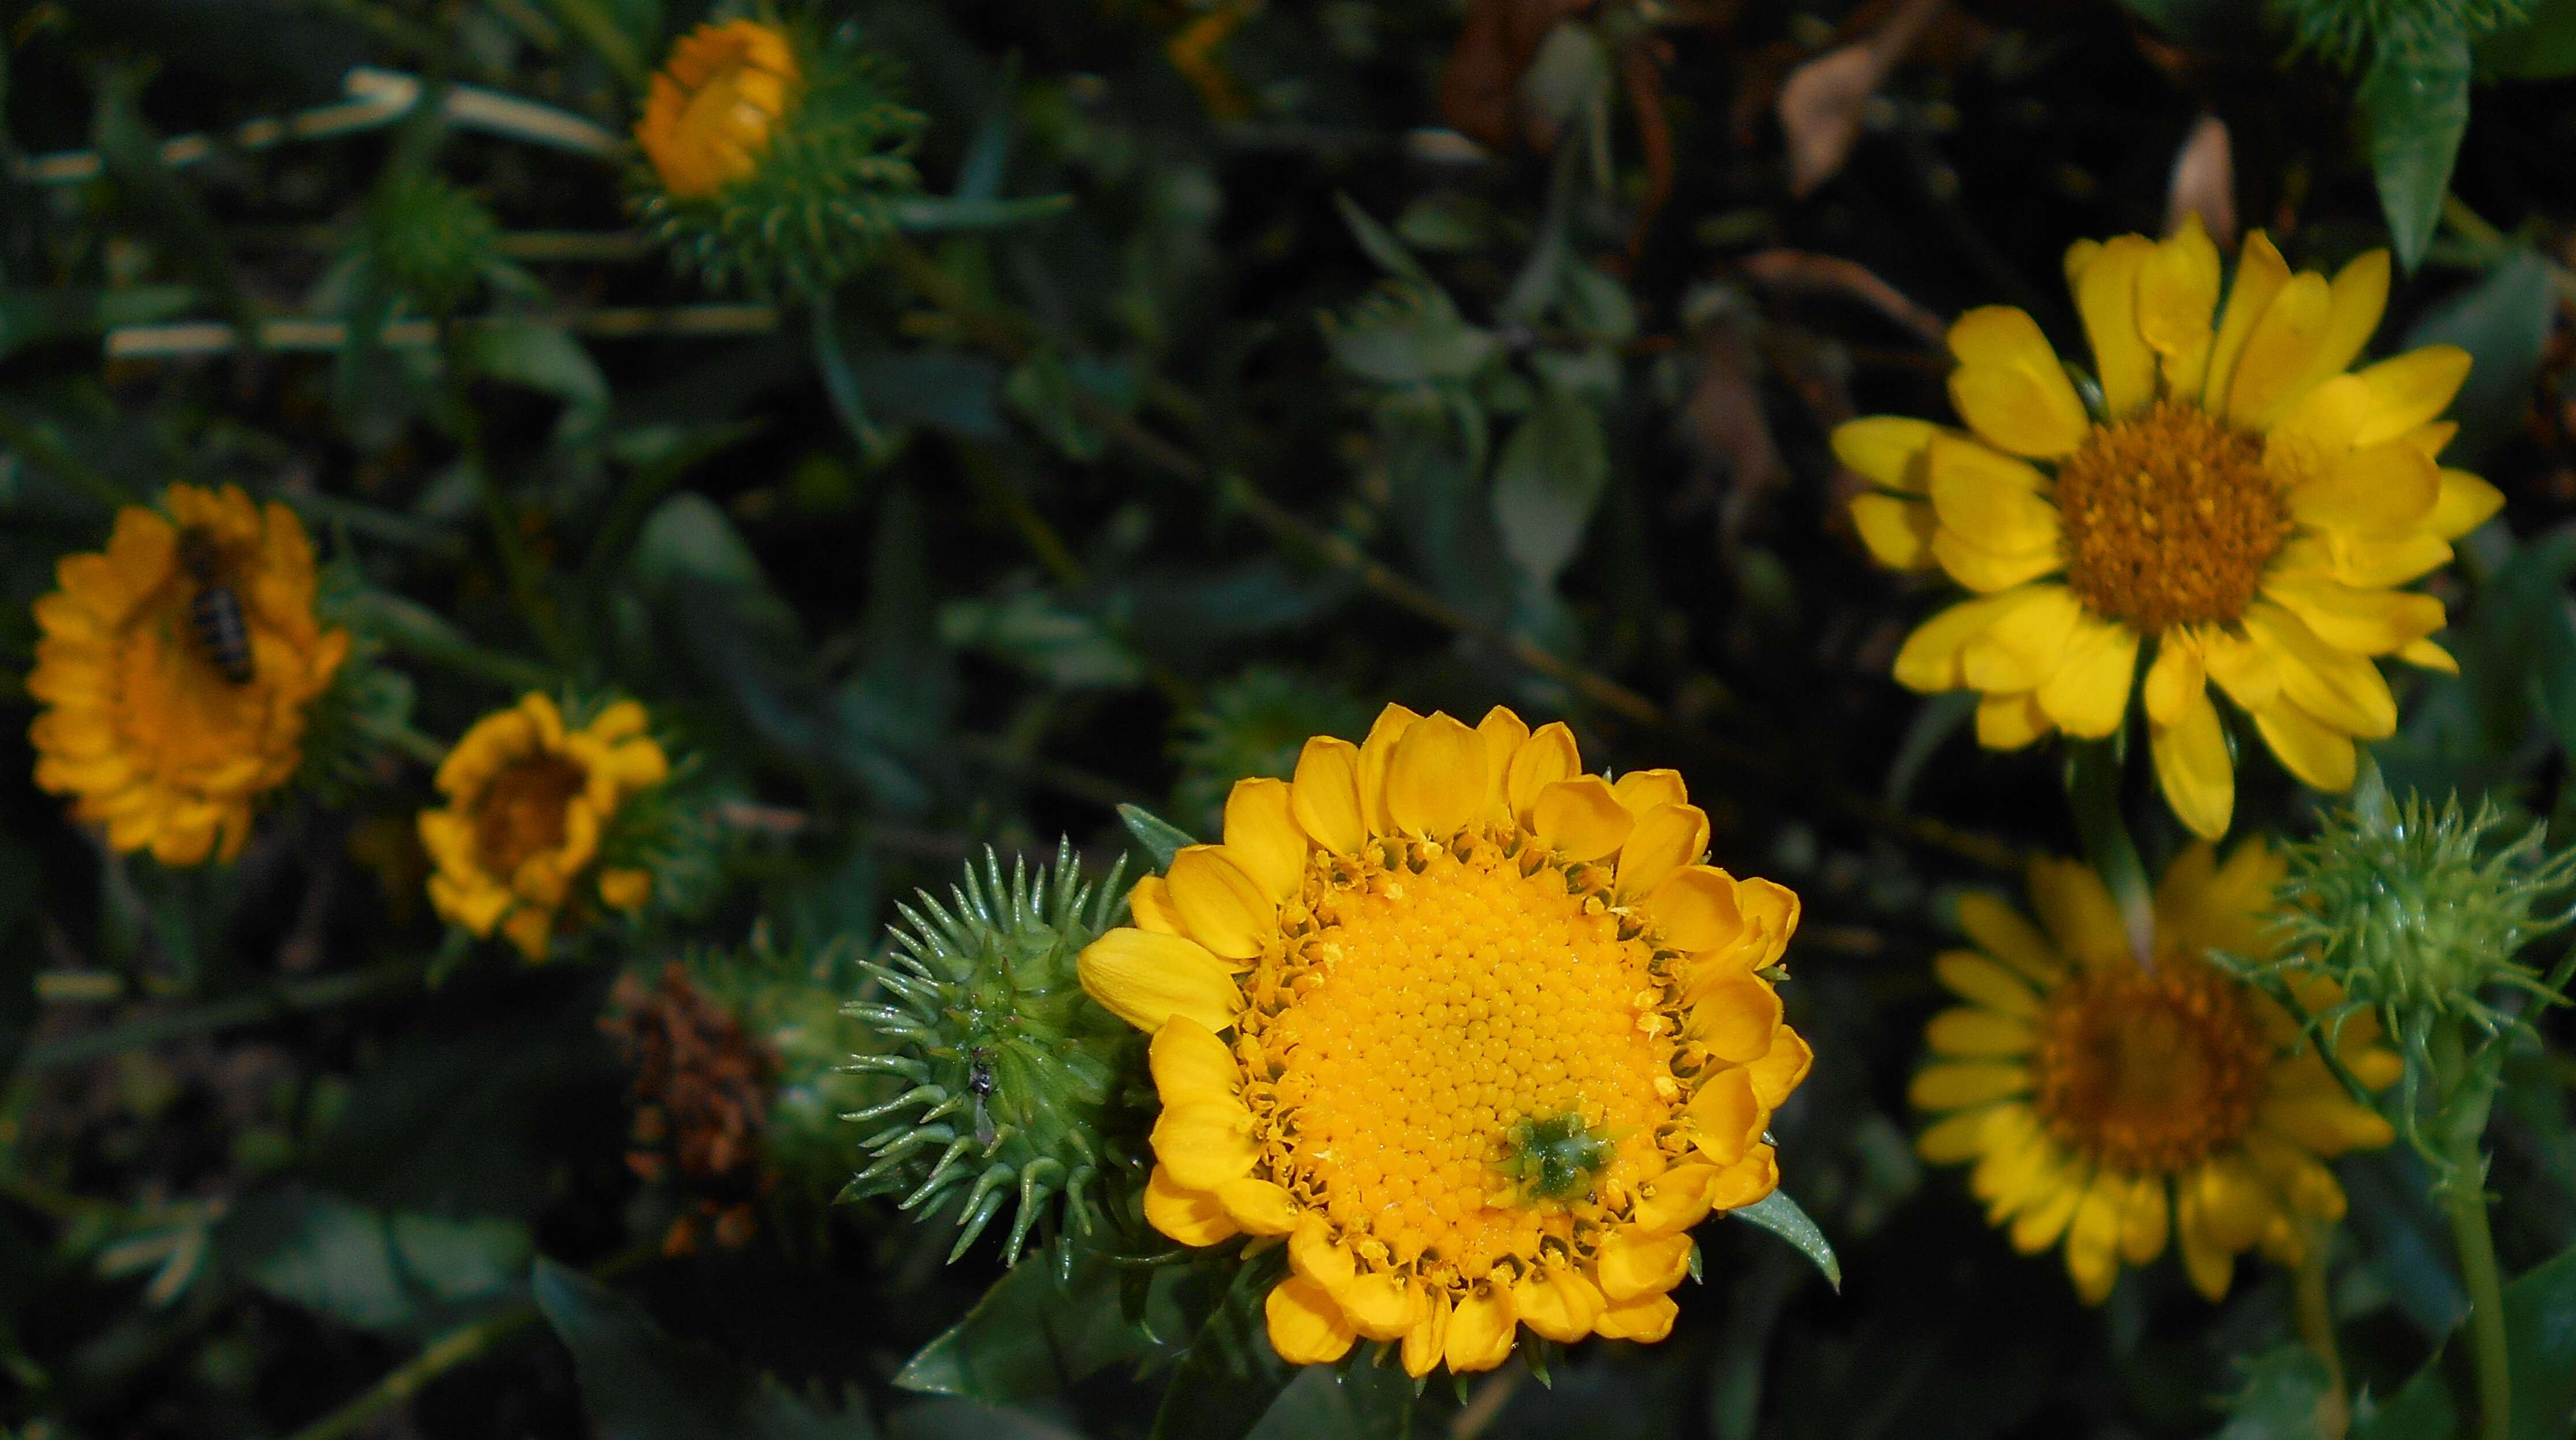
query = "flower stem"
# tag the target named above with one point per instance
(2463, 1193)
(2093, 789)
(2316, 1327)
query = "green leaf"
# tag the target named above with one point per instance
(639, 1383)
(2540, 1334)
(1408, 333)
(1045, 1326)
(1380, 242)
(545, 358)
(932, 214)
(1028, 627)
(2414, 107)
(2284, 1388)
(1547, 484)
(2503, 322)
(1230, 1376)
(969, 1420)
(1161, 839)
(2422, 1410)
(1353, 1399)
(2541, 48)
(370, 1269)
(1781, 1216)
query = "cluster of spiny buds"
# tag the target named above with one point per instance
(702, 1086)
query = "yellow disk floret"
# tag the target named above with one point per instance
(2237, 508)
(1476, 1032)
(714, 105)
(527, 801)
(2109, 1106)
(176, 669)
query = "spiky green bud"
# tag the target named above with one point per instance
(1254, 725)
(2415, 912)
(1013, 1070)
(430, 239)
(2349, 32)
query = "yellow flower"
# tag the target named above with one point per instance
(175, 670)
(714, 105)
(527, 801)
(2239, 504)
(2112, 1105)
(1475, 1032)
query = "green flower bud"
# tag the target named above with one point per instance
(430, 240)
(2349, 32)
(1013, 1070)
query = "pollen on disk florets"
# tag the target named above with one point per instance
(2150, 1071)
(1011, 1068)
(2413, 909)
(2169, 518)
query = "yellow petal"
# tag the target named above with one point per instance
(2429, 656)
(2320, 756)
(1557, 1303)
(1480, 1330)
(2381, 492)
(2011, 721)
(2466, 502)
(1257, 1207)
(1643, 790)
(2003, 933)
(1991, 571)
(1435, 780)
(1392, 722)
(2010, 388)
(1191, 1066)
(2326, 1122)
(2038, 1227)
(1428, 1340)
(1504, 733)
(1888, 449)
(2360, 297)
(2335, 681)
(1145, 979)
(2319, 430)
(1695, 909)
(1581, 819)
(1774, 1075)
(2093, 1237)
(2026, 642)
(2078, 911)
(1667, 838)
(1646, 1319)
(2366, 563)
(1150, 903)
(1969, 1033)
(1204, 1146)
(2144, 1220)
(2260, 274)
(1631, 1265)
(2106, 294)
(1225, 909)
(1193, 1217)
(1990, 499)
(2088, 693)
(1748, 1181)
(1957, 1085)
(1932, 657)
(2194, 766)
(1263, 836)
(2410, 389)
(1897, 532)
(1325, 796)
(1316, 1255)
(1736, 1019)
(2245, 668)
(1972, 976)
(1955, 1139)
(1306, 1327)
(2177, 296)
(2272, 372)
(2209, 1264)
(1548, 756)
(2234, 1203)
(1725, 1116)
(1675, 1200)
(1381, 1305)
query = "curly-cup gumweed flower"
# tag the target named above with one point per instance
(1474, 1031)
(715, 103)
(529, 798)
(2231, 503)
(176, 670)
(2109, 1106)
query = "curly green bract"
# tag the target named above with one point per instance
(1013, 1069)
(822, 200)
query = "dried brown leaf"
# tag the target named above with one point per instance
(1834, 275)
(2204, 182)
(1479, 96)
(1820, 105)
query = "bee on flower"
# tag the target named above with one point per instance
(1476, 1033)
(532, 802)
(177, 670)
(2234, 505)
(2112, 1107)
(772, 154)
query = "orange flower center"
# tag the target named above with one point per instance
(2150, 1072)
(521, 811)
(2169, 519)
(1436, 1008)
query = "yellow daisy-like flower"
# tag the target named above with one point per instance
(527, 800)
(2239, 503)
(715, 104)
(1474, 1031)
(2111, 1105)
(176, 668)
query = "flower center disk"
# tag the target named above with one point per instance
(2169, 519)
(522, 811)
(1471, 1060)
(2150, 1072)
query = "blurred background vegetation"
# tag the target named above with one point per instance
(1237, 366)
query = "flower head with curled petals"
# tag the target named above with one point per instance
(2108, 1106)
(2232, 504)
(528, 800)
(162, 732)
(1475, 1032)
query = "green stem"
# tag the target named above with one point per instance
(2463, 1194)
(223, 1014)
(2316, 1327)
(2093, 789)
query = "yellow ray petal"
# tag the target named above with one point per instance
(2144, 1220)
(2088, 693)
(2381, 492)
(1204, 1146)
(1666, 838)
(2272, 371)
(2025, 642)
(2011, 721)
(1695, 909)
(2411, 389)
(2003, 933)
(1955, 1085)
(2106, 294)
(1390, 726)
(1631, 1265)
(2260, 274)
(2078, 912)
(2322, 757)
(1480, 1330)
(1643, 790)
(1193, 1217)
(1972, 976)
(2010, 387)
(2177, 296)
(1325, 796)
(1988, 571)
(1888, 449)
(1581, 819)
(1736, 1019)
(2466, 502)
(1306, 1327)
(2194, 767)
(1428, 1341)
(2352, 620)
(1725, 1118)
(1263, 836)
(1224, 908)
(1191, 1066)
(2093, 1237)
(1969, 1033)
(1931, 659)
(1993, 500)
(2360, 298)
(1504, 733)
(1258, 1207)
(1646, 1319)
(1548, 756)
(1145, 979)
(1435, 781)
(2209, 1264)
